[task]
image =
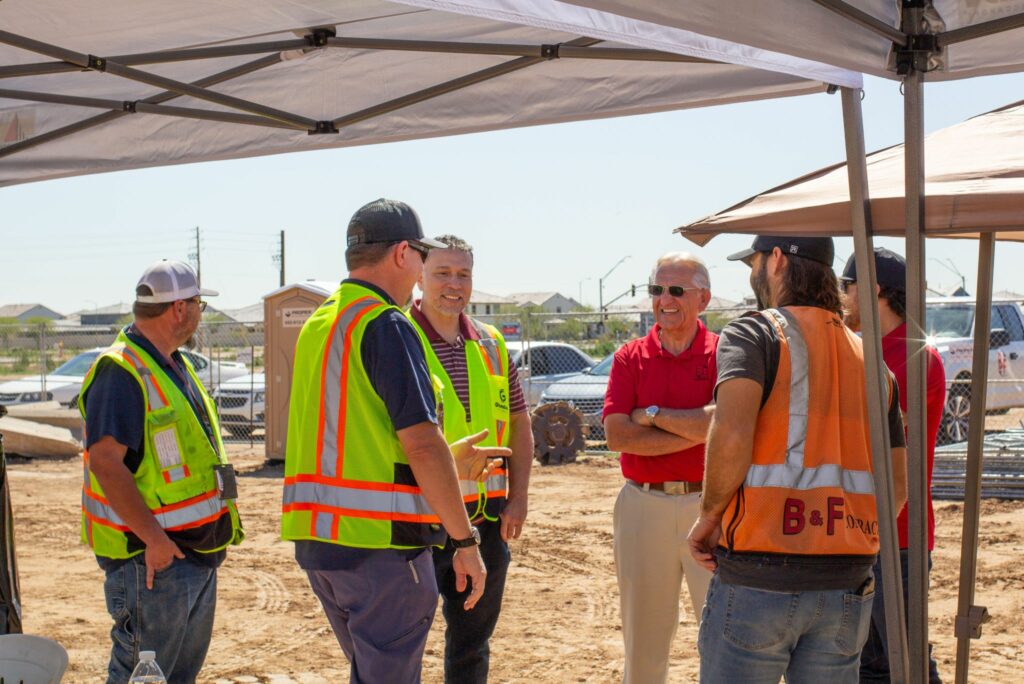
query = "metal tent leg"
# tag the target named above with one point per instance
(969, 617)
(877, 389)
(917, 449)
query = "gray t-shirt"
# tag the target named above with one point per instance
(749, 348)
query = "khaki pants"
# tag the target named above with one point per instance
(651, 559)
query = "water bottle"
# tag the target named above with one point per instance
(147, 670)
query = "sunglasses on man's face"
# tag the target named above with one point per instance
(674, 290)
(200, 302)
(420, 249)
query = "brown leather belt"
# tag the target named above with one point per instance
(677, 488)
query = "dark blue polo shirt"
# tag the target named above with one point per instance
(397, 368)
(115, 407)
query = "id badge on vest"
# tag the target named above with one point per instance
(227, 481)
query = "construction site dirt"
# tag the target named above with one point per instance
(560, 621)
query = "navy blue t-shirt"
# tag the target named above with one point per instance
(115, 407)
(394, 359)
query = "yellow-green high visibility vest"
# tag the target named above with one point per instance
(487, 366)
(176, 477)
(347, 480)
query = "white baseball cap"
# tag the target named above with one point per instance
(169, 281)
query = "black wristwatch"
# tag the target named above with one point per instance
(472, 540)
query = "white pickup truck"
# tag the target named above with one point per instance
(950, 329)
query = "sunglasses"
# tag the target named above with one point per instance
(674, 290)
(419, 249)
(847, 285)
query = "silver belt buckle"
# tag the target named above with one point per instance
(674, 488)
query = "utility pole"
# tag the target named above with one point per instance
(195, 256)
(279, 258)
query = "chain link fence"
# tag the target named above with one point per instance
(46, 362)
(560, 357)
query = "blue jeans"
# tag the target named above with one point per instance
(381, 611)
(467, 649)
(174, 618)
(874, 659)
(756, 636)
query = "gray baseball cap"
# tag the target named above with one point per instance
(168, 281)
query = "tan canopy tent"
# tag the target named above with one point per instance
(974, 184)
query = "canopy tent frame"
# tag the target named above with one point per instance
(261, 115)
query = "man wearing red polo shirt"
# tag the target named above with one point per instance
(656, 414)
(891, 273)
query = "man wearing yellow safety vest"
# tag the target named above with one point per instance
(788, 518)
(158, 494)
(481, 392)
(370, 483)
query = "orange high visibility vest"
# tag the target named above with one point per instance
(809, 489)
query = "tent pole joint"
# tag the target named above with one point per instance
(549, 51)
(969, 626)
(96, 63)
(919, 48)
(324, 128)
(128, 106)
(318, 36)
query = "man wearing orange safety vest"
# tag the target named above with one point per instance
(788, 518)
(370, 484)
(158, 495)
(481, 392)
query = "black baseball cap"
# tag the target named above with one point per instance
(385, 220)
(818, 249)
(890, 269)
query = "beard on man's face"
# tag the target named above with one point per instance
(759, 284)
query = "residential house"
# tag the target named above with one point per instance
(26, 312)
(550, 302)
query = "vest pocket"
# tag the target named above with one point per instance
(181, 490)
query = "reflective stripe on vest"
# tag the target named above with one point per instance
(180, 516)
(335, 379)
(357, 501)
(793, 474)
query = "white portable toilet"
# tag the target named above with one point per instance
(31, 659)
(285, 310)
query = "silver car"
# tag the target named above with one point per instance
(240, 404)
(540, 364)
(585, 391)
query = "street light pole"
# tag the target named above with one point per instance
(600, 283)
(951, 267)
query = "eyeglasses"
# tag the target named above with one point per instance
(419, 249)
(200, 302)
(847, 284)
(674, 290)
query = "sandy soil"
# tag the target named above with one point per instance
(560, 622)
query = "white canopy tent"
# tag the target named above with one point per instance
(128, 84)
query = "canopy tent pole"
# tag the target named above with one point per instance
(99, 119)
(545, 51)
(864, 19)
(142, 107)
(450, 86)
(877, 386)
(986, 28)
(970, 617)
(917, 449)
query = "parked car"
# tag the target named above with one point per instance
(584, 391)
(542, 363)
(949, 325)
(65, 382)
(240, 404)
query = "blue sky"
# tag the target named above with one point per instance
(545, 207)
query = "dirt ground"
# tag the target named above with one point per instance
(560, 621)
